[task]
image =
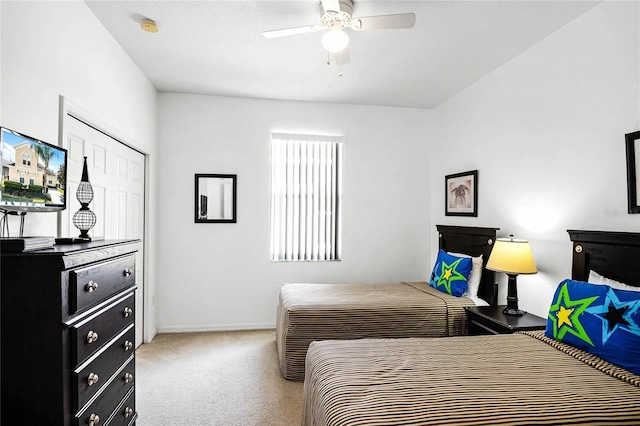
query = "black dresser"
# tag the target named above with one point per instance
(68, 334)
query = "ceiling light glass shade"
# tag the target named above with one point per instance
(335, 40)
(512, 257)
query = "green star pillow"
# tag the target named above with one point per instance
(598, 319)
(451, 273)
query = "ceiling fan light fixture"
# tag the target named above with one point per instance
(335, 40)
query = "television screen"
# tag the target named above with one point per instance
(34, 173)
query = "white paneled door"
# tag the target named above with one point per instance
(116, 173)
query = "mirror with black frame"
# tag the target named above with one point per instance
(215, 198)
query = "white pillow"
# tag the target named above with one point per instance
(476, 300)
(596, 278)
(474, 276)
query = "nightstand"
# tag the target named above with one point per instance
(491, 320)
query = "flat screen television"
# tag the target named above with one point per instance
(34, 174)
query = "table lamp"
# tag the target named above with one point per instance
(512, 257)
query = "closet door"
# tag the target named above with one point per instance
(116, 173)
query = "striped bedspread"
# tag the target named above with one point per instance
(308, 312)
(517, 379)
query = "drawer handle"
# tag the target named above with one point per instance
(92, 286)
(128, 412)
(92, 379)
(127, 311)
(94, 419)
(127, 345)
(127, 272)
(128, 377)
(92, 336)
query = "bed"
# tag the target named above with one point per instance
(310, 312)
(516, 379)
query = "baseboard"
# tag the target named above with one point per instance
(149, 339)
(217, 327)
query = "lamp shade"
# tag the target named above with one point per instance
(512, 256)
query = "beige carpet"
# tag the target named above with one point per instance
(216, 378)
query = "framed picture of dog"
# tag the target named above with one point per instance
(461, 194)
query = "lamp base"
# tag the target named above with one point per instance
(512, 298)
(513, 312)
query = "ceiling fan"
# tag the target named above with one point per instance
(337, 15)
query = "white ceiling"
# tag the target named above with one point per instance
(217, 47)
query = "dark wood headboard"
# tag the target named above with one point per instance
(614, 255)
(473, 241)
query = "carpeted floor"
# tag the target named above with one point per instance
(216, 378)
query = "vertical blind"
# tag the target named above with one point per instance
(306, 194)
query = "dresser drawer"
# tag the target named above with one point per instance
(94, 283)
(125, 414)
(95, 331)
(90, 377)
(103, 408)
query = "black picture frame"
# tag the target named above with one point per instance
(215, 198)
(461, 194)
(632, 142)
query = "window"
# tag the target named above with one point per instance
(306, 196)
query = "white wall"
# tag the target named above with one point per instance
(218, 276)
(53, 48)
(546, 133)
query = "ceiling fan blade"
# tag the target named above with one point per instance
(333, 5)
(343, 57)
(386, 22)
(292, 31)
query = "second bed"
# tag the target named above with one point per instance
(312, 312)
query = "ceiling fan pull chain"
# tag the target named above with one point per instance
(328, 58)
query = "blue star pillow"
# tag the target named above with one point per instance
(451, 273)
(598, 319)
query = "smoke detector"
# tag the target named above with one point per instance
(149, 26)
